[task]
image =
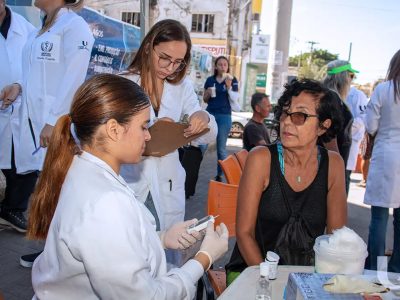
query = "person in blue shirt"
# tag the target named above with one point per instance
(221, 93)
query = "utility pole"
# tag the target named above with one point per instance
(351, 46)
(237, 10)
(279, 49)
(312, 43)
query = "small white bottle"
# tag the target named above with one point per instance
(263, 285)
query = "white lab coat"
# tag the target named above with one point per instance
(383, 188)
(102, 244)
(11, 72)
(357, 103)
(55, 65)
(164, 176)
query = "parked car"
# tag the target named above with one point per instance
(240, 119)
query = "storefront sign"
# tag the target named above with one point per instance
(260, 49)
(215, 50)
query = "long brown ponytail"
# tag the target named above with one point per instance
(60, 153)
(99, 99)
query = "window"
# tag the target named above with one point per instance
(131, 18)
(202, 23)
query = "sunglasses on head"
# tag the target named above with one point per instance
(298, 118)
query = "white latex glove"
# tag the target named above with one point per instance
(215, 243)
(177, 237)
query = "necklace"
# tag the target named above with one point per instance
(282, 161)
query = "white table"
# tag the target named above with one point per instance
(244, 287)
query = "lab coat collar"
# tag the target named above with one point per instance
(102, 164)
(15, 26)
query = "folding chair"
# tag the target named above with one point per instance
(241, 156)
(231, 168)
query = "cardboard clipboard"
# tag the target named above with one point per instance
(168, 136)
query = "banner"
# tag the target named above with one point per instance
(117, 42)
(115, 45)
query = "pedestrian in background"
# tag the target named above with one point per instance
(255, 132)
(14, 30)
(221, 93)
(383, 188)
(338, 78)
(55, 61)
(357, 102)
(366, 146)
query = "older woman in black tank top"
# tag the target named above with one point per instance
(311, 178)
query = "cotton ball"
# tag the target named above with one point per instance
(343, 252)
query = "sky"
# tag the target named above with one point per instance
(372, 26)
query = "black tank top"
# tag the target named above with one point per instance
(272, 212)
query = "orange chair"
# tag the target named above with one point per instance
(222, 200)
(241, 156)
(231, 168)
(217, 280)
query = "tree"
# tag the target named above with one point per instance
(312, 65)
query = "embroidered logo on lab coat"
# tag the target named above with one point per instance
(47, 46)
(84, 45)
(48, 49)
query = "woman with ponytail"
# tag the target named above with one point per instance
(55, 61)
(101, 242)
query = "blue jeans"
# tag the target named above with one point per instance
(224, 123)
(377, 238)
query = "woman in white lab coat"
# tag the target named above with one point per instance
(160, 67)
(55, 61)
(101, 242)
(15, 30)
(383, 187)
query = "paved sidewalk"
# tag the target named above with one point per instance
(15, 281)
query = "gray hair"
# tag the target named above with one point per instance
(338, 82)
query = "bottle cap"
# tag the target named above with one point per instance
(264, 269)
(272, 256)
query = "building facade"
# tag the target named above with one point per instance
(206, 20)
(222, 27)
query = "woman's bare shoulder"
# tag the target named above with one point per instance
(260, 152)
(335, 158)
